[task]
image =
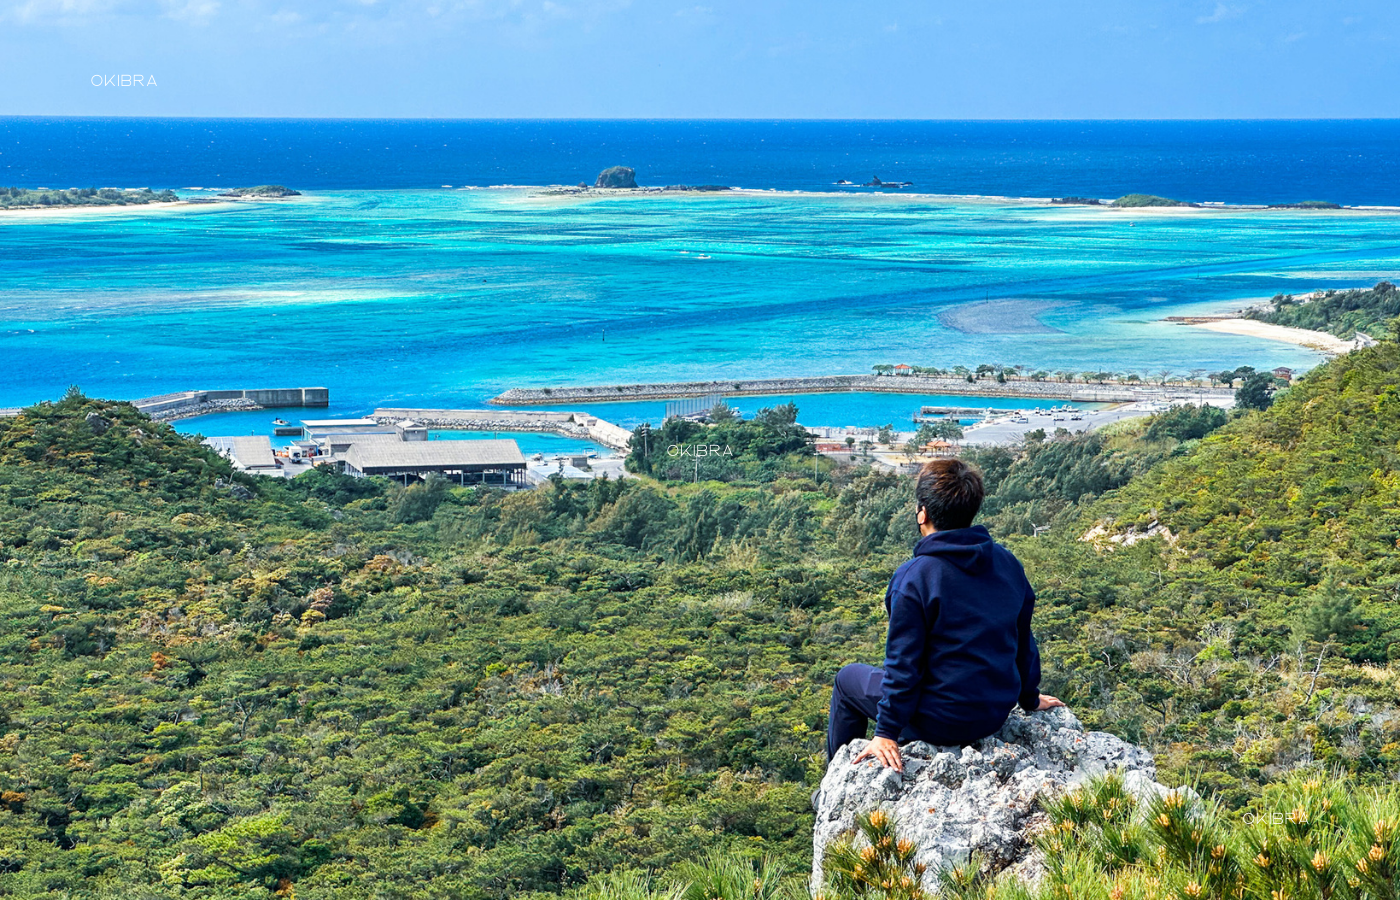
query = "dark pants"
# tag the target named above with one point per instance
(854, 699)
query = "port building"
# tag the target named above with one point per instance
(251, 453)
(493, 462)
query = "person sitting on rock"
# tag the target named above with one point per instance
(960, 653)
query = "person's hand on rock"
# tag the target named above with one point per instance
(1048, 702)
(887, 751)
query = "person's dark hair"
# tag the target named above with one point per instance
(949, 492)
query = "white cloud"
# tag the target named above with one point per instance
(1222, 13)
(77, 13)
(386, 19)
(56, 12)
(197, 12)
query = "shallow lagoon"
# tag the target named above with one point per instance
(445, 298)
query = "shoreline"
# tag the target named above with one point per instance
(566, 193)
(1321, 341)
(211, 203)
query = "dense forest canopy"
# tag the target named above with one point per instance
(218, 686)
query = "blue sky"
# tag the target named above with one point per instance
(712, 58)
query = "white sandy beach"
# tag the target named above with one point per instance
(139, 209)
(1314, 340)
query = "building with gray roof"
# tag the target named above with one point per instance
(497, 462)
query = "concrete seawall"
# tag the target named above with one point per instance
(893, 384)
(566, 424)
(188, 404)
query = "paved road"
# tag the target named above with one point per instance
(539, 472)
(1009, 431)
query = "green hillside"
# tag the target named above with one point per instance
(406, 693)
(1255, 632)
(218, 687)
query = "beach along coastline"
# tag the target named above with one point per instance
(1302, 337)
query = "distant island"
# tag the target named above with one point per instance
(624, 178)
(261, 192)
(40, 198)
(47, 198)
(1134, 201)
(1138, 201)
(1127, 201)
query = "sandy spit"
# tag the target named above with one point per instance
(1314, 340)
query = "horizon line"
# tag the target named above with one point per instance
(760, 119)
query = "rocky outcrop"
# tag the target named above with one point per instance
(617, 177)
(98, 424)
(957, 801)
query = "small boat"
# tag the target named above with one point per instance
(703, 256)
(279, 421)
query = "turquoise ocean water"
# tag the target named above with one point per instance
(438, 297)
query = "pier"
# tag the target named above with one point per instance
(187, 404)
(827, 384)
(566, 424)
(964, 412)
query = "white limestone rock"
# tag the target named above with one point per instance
(956, 801)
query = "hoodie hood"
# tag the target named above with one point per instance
(970, 549)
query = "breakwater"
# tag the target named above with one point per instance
(894, 384)
(188, 404)
(566, 424)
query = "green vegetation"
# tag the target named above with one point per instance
(1200, 605)
(262, 190)
(1140, 200)
(1077, 201)
(1256, 391)
(15, 197)
(1307, 204)
(769, 446)
(1307, 838)
(1049, 482)
(1370, 311)
(217, 686)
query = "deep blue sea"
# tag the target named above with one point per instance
(391, 288)
(1350, 162)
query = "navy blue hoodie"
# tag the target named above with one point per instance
(960, 653)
